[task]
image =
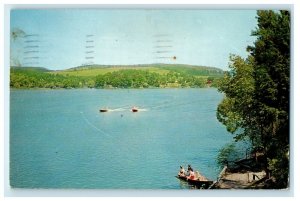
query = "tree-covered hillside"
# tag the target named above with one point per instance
(137, 76)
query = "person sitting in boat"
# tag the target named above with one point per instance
(181, 172)
(191, 175)
(197, 175)
(188, 170)
(200, 177)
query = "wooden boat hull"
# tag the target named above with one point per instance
(134, 110)
(197, 183)
(103, 110)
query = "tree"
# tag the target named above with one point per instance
(271, 53)
(256, 105)
(236, 110)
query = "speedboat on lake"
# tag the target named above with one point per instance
(134, 109)
(103, 110)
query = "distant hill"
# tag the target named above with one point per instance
(35, 69)
(93, 70)
(117, 76)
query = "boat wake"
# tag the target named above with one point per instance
(126, 109)
(118, 110)
(93, 126)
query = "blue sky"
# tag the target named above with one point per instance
(64, 38)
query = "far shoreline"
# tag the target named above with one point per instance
(107, 88)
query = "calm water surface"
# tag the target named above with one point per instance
(59, 139)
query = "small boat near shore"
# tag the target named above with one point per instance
(196, 182)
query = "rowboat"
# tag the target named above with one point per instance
(196, 182)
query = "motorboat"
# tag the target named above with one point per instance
(134, 109)
(103, 110)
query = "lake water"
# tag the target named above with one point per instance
(59, 139)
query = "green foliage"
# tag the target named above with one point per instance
(193, 70)
(272, 83)
(39, 78)
(144, 77)
(236, 110)
(256, 105)
(161, 69)
(277, 165)
(227, 154)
